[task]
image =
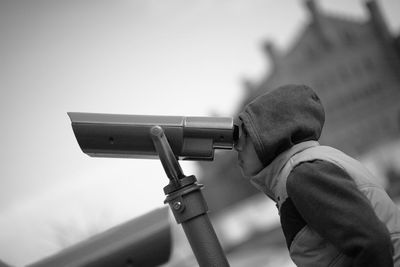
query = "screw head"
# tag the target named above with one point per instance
(177, 205)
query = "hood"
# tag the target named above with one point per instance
(282, 118)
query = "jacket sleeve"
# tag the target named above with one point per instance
(330, 203)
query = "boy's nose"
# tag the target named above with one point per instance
(238, 146)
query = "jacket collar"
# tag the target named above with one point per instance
(267, 179)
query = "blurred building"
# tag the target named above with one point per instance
(2, 264)
(143, 241)
(354, 66)
(355, 69)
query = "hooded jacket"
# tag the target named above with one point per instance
(327, 217)
(281, 118)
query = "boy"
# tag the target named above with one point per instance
(331, 212)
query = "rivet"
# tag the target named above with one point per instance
(177, 205)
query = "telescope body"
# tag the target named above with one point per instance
(128, 136)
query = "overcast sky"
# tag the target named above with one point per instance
(169, 57)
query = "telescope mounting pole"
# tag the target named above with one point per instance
(188, 205)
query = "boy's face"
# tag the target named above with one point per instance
(248, 160)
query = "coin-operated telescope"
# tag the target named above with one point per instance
(129, 136)
(169, 138)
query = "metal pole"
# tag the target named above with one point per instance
(189, 207)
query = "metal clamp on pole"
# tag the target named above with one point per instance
(188, 205)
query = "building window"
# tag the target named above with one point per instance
(343, 73)
(356, 69)
(310, 53)
(368, 64)
(348, 38)
(398, 121)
